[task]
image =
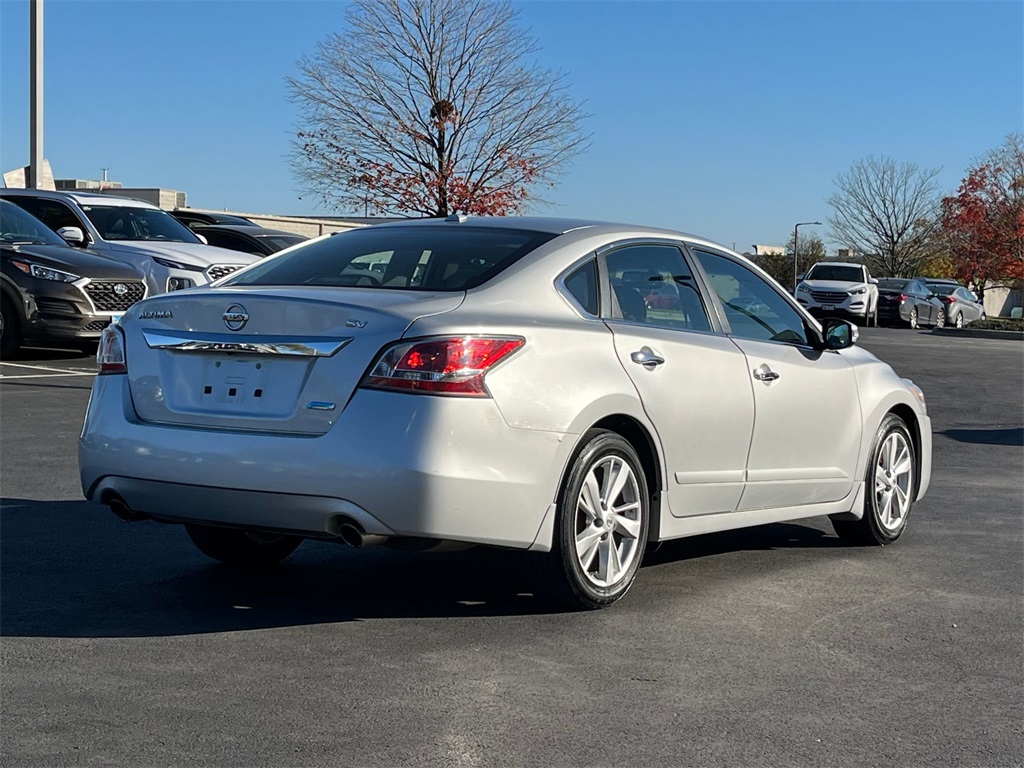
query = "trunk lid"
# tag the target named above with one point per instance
(260, 358)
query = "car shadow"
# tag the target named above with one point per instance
(989, 436)
(70, 569)
(48, 354)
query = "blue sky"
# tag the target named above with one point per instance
(728, 119)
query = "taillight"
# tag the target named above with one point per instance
(441, 366)
(903, 297)
(947, 299)
(110, 354)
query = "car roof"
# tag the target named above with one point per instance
(836, 264)
(82, 198)
(252, 229)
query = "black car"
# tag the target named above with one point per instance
(53, 294)
(193, 219)
(258, 240)
(908, 302)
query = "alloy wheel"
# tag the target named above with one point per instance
(913, 318)
(940, 320)
(959, 319)
(608, 521)
(894, 474)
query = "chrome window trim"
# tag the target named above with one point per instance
(294, 346)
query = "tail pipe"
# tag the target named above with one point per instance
(120, 508)
(355, 536)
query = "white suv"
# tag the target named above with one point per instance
(833, 288)
(170, 255)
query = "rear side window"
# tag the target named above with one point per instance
(421, 258)
(582, 284)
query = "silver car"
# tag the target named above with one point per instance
(499, 382)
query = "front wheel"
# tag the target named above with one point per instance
(601, 531)
(890, 485)
(940, 319)
(237, 547)
(913, 319)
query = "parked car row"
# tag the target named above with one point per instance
(73, 261)
(831, 289)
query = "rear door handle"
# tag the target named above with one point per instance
(764, 373)
(646, 357)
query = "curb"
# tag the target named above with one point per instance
(979, 333)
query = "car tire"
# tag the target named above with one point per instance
(940, 319)
(10, 329)
(234, 546)
(596, 553)
(958, 321)
(913, 322)
(889, 487)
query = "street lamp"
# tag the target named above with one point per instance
(796, 228)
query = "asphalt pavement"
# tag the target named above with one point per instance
(121, 645)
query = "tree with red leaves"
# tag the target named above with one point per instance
(984, 222)
(431, 107)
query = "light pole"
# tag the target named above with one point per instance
(796, 229)
(35, 165)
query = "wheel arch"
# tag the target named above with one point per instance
(643, 442)
(909, 417)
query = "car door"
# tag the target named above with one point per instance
(927, 305)
(808, 422)
(972, 309)
(692, 381)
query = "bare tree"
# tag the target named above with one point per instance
(431, 107)
(780, 265)
(886, 212)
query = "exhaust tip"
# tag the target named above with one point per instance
(121, 509)
(351, 535)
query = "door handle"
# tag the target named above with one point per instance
(646, 357)
(764, 373)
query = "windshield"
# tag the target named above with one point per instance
(834, 272)
(19, 226)
(421, 258)
(125, 222)
(888, 284)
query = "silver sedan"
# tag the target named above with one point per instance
(504, 382)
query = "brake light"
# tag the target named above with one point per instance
(445, 366)
(903, 297)
(110, 354)
(947, 299)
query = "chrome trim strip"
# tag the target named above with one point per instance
(299, 346)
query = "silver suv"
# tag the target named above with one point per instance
(836, 288)
(170, 255)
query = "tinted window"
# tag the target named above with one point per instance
(52, 213)
(230, 240)
(942, 289)
(582, 284)
(833, 272)
(445, 257)
(755, 310)
(275, 243)
(652, 284)
(123, 222)
(889, 284)
(18, 226)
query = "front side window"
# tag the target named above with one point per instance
(19, 226)
(421, 258)
(122, 222)
(754, 309)
(652, 284)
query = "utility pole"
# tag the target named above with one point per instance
(796, 229)
(35, 166)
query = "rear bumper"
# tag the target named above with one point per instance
(397, 464)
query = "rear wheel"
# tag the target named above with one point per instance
(237, 547)
(10, 330)
(890, 485)
(913, 319)
(601, 531)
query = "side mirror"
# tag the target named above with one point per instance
(873, 280)
(72, 235)
(839, 334)
(201, 238)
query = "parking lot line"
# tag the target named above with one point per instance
(41, 372)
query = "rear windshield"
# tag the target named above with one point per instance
(943, 289)
(421, 258)
(892, 285)
(833, 272)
